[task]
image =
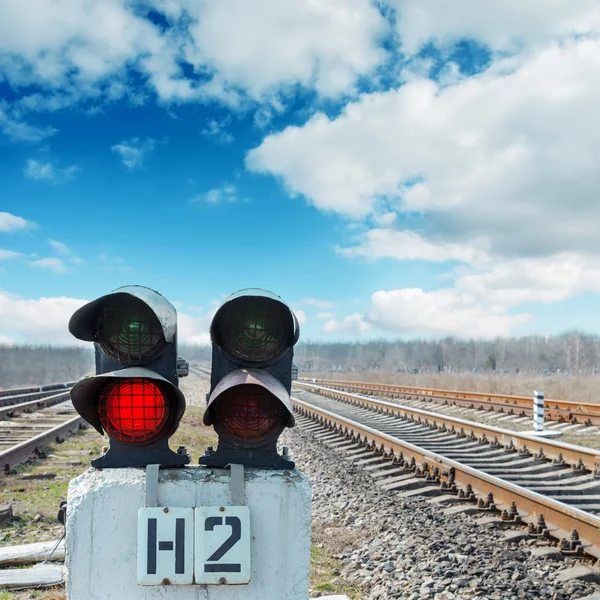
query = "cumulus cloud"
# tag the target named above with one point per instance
(232, 48)
(354, 325)
(506, 25)
(8, 254)
(506, 155)
(134, 151)
(38, 321)
(48, 171)
(45, 321)
(301, 316)
(56, 265)
(439, 313)
(407, 245)
(10, 223)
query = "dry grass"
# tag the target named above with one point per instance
(576, 388)
(327, 542)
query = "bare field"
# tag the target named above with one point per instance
(577, 388)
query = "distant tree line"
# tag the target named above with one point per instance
(574, 353)
(569, 353)
(24, 366)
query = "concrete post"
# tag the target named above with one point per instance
(538, 411)
(102, 532)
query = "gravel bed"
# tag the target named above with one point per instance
(406, 548)
(195, 387)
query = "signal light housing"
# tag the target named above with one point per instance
(140, 406)
(253, 334)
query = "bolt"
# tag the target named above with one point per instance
(165, 510)
(209, 450)
(181, 450)
(222, 580)
(165, 581)
(222, 509)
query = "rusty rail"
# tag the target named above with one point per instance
(571, 454)
(554, 410)
(23, 451)
(560, 518)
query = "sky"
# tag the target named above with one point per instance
(390, 168)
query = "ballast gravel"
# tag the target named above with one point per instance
(392, 547)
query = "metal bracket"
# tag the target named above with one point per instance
(236, 485)
(152, 485)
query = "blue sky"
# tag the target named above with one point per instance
(389, 170)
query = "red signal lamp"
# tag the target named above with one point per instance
(249, 409)
(133, 411)
(139, 410)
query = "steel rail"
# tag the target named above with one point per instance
(555, 410)
(23, 451)
(37, 395)
(560, 518)
(574, 455)
(11, 409)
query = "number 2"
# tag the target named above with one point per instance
(236, 534)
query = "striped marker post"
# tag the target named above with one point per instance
(538, 411)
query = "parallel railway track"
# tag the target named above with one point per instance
(551, 486)
(565, 411)
(30, 420)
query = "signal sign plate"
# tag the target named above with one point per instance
(222, 545)
(165, 546)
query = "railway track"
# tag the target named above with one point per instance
(29, 420)
(550, 486)
(564, 411)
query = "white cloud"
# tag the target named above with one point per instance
(505, 156)
(266, 44)
(217, 129)
(45, 320)
(39, 321)
(47, 171)
(439, 313)
(407, 245)
(192, 329)
(18, 130)
(301, 316)
(134, 151)
(509, 24)
(8, 254)
(56, 265)
(226, 193)
(86, 49)
(60, 247)
(317, 303)
(10, 223)
(6, 340)
(354, 325)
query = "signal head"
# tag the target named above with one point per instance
(131, 325)
(254, 328)
(138, 409)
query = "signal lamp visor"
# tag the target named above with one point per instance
(255, 329)
(133, 411)
(128, 330)
(249, 413)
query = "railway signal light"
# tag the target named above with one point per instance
(253, 335)
(134, 396)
